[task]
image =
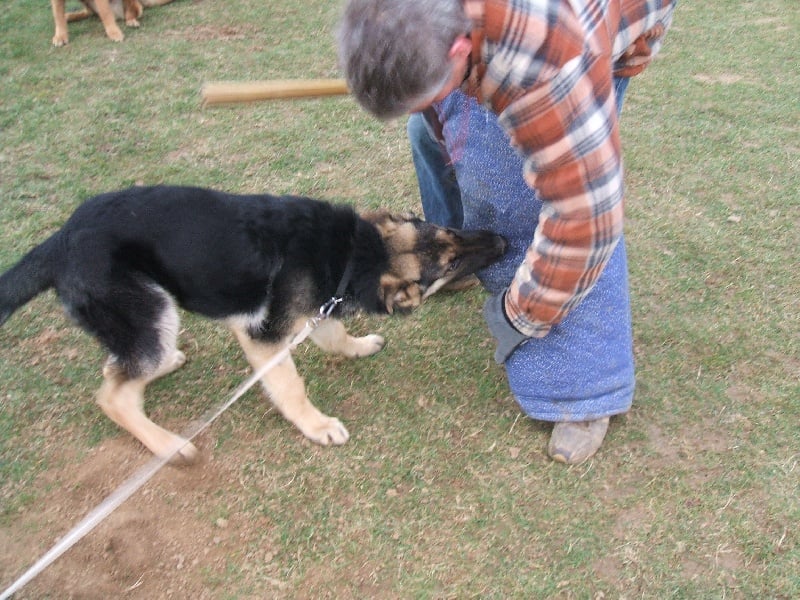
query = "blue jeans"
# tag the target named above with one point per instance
(583, 369)
(438, 188)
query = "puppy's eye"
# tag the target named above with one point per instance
(453, 265)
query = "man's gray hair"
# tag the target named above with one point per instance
(394, 53)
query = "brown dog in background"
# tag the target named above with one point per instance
(108, 11)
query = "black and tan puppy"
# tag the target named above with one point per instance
(107, 10)
(260, 264)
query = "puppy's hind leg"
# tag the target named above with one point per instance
(167, 326)
(173, 360)
(145, 348)
(287, 391)
(122, 399)
(331, 336)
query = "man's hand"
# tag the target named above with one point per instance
(508, 338)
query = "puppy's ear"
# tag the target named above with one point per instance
(409, 297)
(399, 293)
(383, 221)
(390, 285)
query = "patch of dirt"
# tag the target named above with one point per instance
(163, 533)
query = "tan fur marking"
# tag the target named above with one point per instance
(409, 297)
(331, 336)
(397, 232)
(404, 238)
(287, 392)
(390, 285)
(122, 400)
(406, 266)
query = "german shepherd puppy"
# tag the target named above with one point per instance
(108, 11)
(260, 264)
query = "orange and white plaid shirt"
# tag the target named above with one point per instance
(546, 67)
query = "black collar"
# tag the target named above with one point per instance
(326, 309)
(346, 276)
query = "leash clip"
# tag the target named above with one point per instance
(327, 309)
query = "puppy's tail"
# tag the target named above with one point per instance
(31, 276)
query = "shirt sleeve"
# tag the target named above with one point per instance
(635, 45)
(566, 130)
(555, 99)
(549, 76)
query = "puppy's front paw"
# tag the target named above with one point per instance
(132, 23)
(369, 345)
(328, 431)
(60, 39)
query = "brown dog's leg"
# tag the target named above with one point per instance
(331, 336)
(109, 21)
(122, 399)
(287, 391)
(61, 37)
(133, 10)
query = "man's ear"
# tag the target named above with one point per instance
(461, 48)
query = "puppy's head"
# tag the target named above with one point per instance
(424, 257)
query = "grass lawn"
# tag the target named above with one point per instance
(444, 490)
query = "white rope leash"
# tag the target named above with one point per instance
(143, 475)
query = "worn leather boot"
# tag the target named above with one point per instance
(573, 443)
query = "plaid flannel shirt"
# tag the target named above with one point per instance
(546, 67)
